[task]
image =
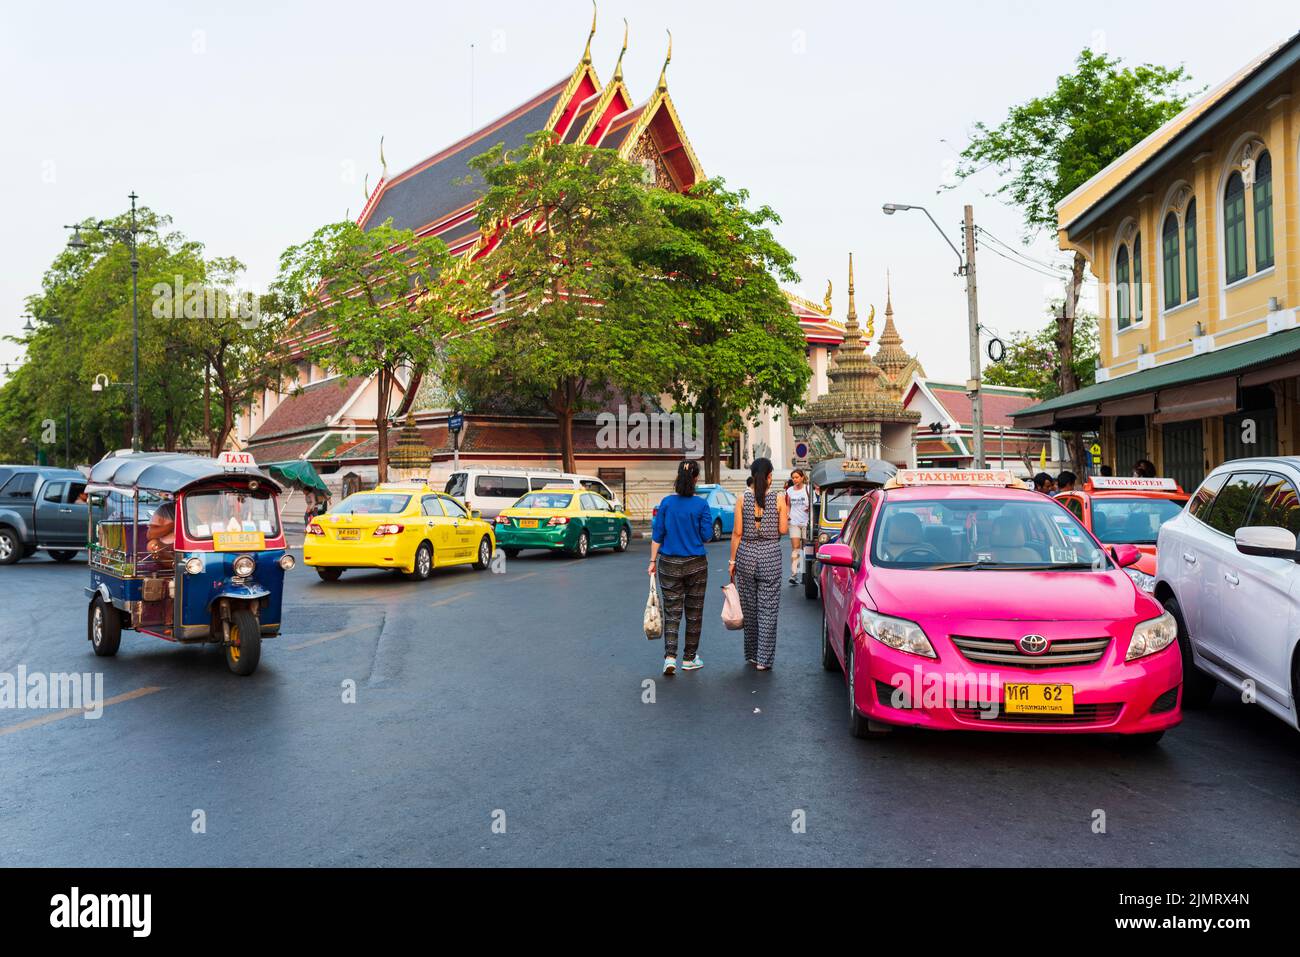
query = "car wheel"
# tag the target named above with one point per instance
(1198, 687)
(484, 554)
(860, 726)
(422, 566)
(829, 661)
(63, 555)
(511, 552)
(810, 589)
(10, 548)
(329, 574)
(624, 536)
(104, 628)
(717, 530)
(584, 544)
(245, 648)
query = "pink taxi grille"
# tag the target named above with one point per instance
(1060, 653)
(1083, 714)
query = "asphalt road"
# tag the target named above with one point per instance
(485, 699)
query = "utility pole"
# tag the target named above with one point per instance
(973, 316)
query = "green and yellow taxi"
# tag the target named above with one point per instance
(559, 518)
(409, 528)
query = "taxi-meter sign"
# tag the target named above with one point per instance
(1119, 483)
(919, 477)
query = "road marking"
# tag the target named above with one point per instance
(448, 601)
(324, 638)
(519, 578)
(72, 712)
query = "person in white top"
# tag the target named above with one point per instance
(797, 500)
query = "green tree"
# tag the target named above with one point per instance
(556, 311)
(736, 346)
(371, 292)
(1050, 145)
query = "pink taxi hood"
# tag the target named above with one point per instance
(981, 594)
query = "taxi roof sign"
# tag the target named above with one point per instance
(237, 460)
(995, 478)
(1135, 483)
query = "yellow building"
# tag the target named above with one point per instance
(1193, 236)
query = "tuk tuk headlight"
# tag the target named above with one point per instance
(823, 538)
(244, 566)
(193, 565)
(287, 561)
(1151, 636)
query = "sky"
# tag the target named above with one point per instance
(253, 123)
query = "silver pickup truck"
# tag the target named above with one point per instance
(41, 508)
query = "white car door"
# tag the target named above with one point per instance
(1183, 558)
(1261, 617)
(1220, 564)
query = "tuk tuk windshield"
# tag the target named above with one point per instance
(229, 510)
(838, 502)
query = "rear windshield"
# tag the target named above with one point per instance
(1132, 521)
(545, 500)
(456, 485)
(371, 503)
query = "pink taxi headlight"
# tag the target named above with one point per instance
(898, 633)
(1151, 636)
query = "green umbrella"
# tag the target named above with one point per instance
(298, 473)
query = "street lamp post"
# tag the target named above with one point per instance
(28, 329)
(126, 235)
(965, 267)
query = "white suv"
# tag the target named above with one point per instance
(1229, 572)
(489, 489)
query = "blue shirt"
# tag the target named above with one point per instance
(682, 525)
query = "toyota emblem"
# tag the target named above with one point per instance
(1032, 644)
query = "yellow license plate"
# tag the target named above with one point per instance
(1038, 699)
(528, 523)
(349, 534)
(238, 541)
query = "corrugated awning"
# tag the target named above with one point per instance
(1259, 360)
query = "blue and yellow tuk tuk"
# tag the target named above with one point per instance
(187, 549)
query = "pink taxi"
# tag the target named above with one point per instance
(965, 601)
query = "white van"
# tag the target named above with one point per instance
(491, 488)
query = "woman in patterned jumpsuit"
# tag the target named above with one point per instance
(758, 562)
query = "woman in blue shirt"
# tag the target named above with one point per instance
(682, 525)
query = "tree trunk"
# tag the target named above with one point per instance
(384, 383)
(712, 438)
(1066, 380)
(562, 401)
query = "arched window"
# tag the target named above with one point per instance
(1137, 278)
(1234, 228)
(1263, 212)
(1189, 250)
(1122, 316)
(1172, 262)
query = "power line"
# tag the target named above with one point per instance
(1016, 252)
(1024, 265)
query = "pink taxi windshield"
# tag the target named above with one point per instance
(975, 533)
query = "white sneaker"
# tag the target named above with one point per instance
(692, 664)
(670, 666)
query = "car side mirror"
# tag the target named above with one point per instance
(1126, 555)
(835, 553)
(476, 514)
(1267, 541)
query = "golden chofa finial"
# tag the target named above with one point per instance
(826, 303)
(586, 54)
(618, 67)
(663, 74)
(382, 162)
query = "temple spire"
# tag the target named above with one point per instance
(889, 296)
(853, 307)
(586, 54)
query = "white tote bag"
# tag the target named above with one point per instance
(653, 622)
(732, 616)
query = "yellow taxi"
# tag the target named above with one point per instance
(410, 528)
(560, 518)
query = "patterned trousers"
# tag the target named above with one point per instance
(759, 568)
(685, 579)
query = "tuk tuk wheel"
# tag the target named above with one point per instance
(104, 628)
(810, 581)
(245, 648)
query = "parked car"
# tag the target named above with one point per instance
(490, 489)
(561, 518)
(41, 508)
(1128, 511)
(722, 509)
(1230, 578)
(964, 601)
